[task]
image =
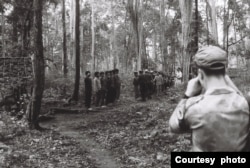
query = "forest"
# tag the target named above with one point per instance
(46, 47)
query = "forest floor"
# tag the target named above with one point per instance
(129, 134)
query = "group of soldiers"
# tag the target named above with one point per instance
(104, 89)
(146, 83)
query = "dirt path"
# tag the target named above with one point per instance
(66, 123)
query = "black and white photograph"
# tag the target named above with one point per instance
(124, 83)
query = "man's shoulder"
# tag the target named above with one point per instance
(192, 101)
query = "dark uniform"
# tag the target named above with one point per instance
(88, 91)
(108, 85)
(142, 84)
(148, 82)
(112, 87)
(117, 83)
(136, 85)
(103, 88)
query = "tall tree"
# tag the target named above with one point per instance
(114, 54)
(65, 58)
(93, 36)
(135, 9)
(212, 21)
(77, 51)
(186, 17)
(164, 50)
(72, 29)
(38, 65)
(196, 37)
(3, 35)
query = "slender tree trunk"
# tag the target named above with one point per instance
(14, 25)
(65, 57)
(207, 25)
(162, 37)
(38, 64)
(93, 37)
(186, 16)
(196, 38)
(213, 23)
(72, 29)
(77, 51)
(114, 53)
(135, 9)
(225, 25)
(3, 35)
(155, 46)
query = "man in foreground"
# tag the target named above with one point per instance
(213, 109)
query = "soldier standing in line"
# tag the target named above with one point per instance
(112, 87)
(108, 85)
(103, 89)
(97, 89)
(148, 81)
(88, 90)
(142, 84)
(117, 84)
(136, 84)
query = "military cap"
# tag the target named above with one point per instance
(211, 57)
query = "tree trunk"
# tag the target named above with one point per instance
(38, 64)
(225, 27)
(77, 51)
(162, 37)
(65, 57)
(72, 29)
(135, 9)
(93, 37)
(213, 23)
(3, 35)
(186, 17)
(114, 53)
(196, 38)
(14, 25)
(140, 34)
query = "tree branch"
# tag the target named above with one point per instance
(236, 41)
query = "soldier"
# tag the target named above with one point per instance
(178, 77)
(213, 108)
(148, 81)
(97, 89)
(158, 80)
(88, 90)
(103, 89)
(112, 87)
(142, 84)
(108, 85)
(136, 84)
(117, 84)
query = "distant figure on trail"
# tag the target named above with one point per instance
(178, 77)
(158, 81)
(212, 109)
(88, 90)
(136, 85)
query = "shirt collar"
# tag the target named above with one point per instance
(219, 90)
